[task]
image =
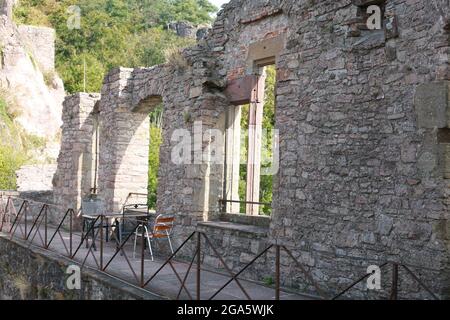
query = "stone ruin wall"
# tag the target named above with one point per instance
(74, 177)
(363, 147)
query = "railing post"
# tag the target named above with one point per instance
(142, 254)
(199, 261)
(394, 288)
(71, 233)
(13, 228)
(101, 241)
(1, 212)
(45, 227)
(277, 273)
(25, 214)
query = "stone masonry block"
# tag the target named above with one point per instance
(267, 49)
(364, 3)
(432, 105)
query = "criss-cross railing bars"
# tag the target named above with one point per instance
(42, 218)
(233, 277)
(394, 282)
(17, 219)
(6, 211)
(22, 217)
(278, 250)
(201, 242)
(120, 249)
(12, 220)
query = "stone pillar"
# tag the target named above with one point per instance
(233, 155)
(124, 142)
(255, 144)
(75, 173)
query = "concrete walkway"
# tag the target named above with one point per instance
(166, 283)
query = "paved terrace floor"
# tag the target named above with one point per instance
(166, 283)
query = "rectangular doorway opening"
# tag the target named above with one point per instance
(251, 143)
(156, 123)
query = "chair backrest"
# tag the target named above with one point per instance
(163, 225)
(135, 201)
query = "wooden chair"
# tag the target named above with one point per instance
(161, 230)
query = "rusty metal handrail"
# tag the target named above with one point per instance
(9, 210)
(394, 282)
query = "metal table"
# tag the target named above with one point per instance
(132, 214)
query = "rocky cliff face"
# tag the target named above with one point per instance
(29, 83)
(27, 76)
(188, 30)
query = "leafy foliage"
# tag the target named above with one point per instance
(10, 158)
(10, 161)
(113, 33)
(155, 143)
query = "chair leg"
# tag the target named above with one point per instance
(135, 241)
(149, 243)
(93, 236)
(82, 231)
(170, 243)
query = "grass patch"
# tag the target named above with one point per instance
(10, 161)
(33, 61)
(49, 78)
(175, 58)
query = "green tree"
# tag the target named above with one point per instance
(113, 33)
(194, 11)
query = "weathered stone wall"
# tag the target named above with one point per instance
(124, 142)
(362, 167)
(44, 196)
(75, 174)
(186, 29)
(40, 41)
(35, 177)
(354, 186)
(36, 274)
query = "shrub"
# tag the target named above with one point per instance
(16, 145)
(156, 119)
(175, 58)
(49, 78)
(9, 108)
(10, 161)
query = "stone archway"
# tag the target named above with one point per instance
(124, 136)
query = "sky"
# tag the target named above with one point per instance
(218, 3)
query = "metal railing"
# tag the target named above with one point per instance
(19, 227)
(17, 221)
(394, 282)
